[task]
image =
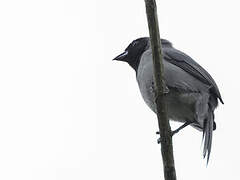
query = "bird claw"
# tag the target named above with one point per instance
(172, 133)
(175, 131)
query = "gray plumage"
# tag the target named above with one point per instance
(191, 93)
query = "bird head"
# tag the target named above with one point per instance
(136, 48)
(133, 52)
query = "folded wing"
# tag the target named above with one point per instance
(186, 63)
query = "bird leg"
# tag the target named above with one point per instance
(175, 131)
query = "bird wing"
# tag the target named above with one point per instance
(187, 64)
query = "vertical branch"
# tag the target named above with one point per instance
(163, 122)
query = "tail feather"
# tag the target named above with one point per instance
(207, 134)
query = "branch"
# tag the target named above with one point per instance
(163, 122)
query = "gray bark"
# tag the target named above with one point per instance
(163, 121)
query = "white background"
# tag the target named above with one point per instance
(68, 112)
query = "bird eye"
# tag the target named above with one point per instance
(134, 43)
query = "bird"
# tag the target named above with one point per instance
(191, 93)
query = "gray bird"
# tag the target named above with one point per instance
(191, 93)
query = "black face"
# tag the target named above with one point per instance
(133, 52)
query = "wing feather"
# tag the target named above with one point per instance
(186, 63)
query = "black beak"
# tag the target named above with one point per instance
(122, 56)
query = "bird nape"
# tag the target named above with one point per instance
(192, 94)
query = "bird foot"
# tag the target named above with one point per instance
(172, 133)
(176, 131)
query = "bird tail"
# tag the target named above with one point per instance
(208, 128)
